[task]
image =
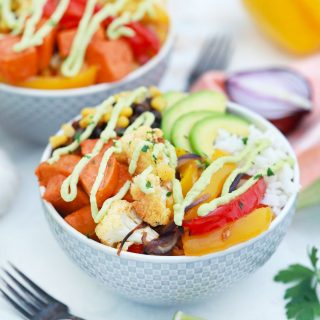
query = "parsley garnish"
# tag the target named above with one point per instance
(145, 148)
(155, 159)
(270, 172)
(148, 185)
(303, 302)
(245, 140)
(257, 176)
(169, 193)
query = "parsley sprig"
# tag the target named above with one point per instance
(302, 300)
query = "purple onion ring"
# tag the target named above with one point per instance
(196, 202)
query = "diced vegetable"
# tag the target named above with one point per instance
(215, 186)
(144, 44)
(85, 78)
(109, 182)
(45, 51)
(229, 235)
(136, 248)
(230, 212)
(17, 66)
(64, 166)
(114, 59)
(123, 177)
(65, 40)
(73, 14)
(82, 221)
(53, 195)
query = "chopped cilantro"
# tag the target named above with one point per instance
(77, 136)
(155, 159)
(148, 185)
(145, 148)
(245, 140)
(270, 172)
(169, 193)
(257, 176)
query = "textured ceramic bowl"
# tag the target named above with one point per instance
(162, 280)
(34, 115)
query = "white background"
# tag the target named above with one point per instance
(26, 240)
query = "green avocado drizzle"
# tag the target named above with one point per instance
(208, 207)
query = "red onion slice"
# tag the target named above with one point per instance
(274, 93)
(235, 182)
(162, 245)
(186, 157)
(196, 202)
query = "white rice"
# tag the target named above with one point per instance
(281, 186)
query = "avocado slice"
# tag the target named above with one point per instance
(182, 127)
(202, 100)
(204, 132)
(172, 97)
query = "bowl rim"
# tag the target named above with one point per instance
(97, 88)
(257, 120)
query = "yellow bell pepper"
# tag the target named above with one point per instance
(239, 231)
(215, 186)
(189, 175)
(295, 25)
(85, 78)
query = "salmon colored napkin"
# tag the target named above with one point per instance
(306, 138)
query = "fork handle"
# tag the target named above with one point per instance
(70, 317)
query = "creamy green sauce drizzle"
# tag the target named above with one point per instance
(106, 205)
(100, 111)
(136, 154)
(146, 118)
(178, 200)
(69, 186)
(31, 38)
(263, 144)
(142, 181)
(73, 64)
(118, 27)
(6, 14)
(205, 179)
(208, 207)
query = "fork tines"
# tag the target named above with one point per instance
(215, 54)
(23, 294)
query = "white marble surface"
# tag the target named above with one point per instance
(25, 238)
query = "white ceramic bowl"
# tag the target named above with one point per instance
(162, 280)
(34, 115)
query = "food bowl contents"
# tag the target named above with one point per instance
(280, 95)
(200, 181)
(64, 44)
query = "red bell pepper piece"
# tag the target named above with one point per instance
(136, 248)
(145, 43)
(73, 14)
(232, 211)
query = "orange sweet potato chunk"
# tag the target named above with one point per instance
(53, 195)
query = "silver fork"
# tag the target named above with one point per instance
(215, 54)
(32, 302)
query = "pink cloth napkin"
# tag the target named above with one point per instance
(306, 138)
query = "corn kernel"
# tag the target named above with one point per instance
(158, 103)
(126, 112)
(123, 122)
(154, 91)
(87, 111)
(84, 122)
(68, 130)
(57, 141)
(106, 116)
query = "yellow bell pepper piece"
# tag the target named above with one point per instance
(85, 78)
(215, 186)
(295, 25)
(239, 231)
(189, 175)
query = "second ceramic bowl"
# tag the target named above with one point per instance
(34, 115)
